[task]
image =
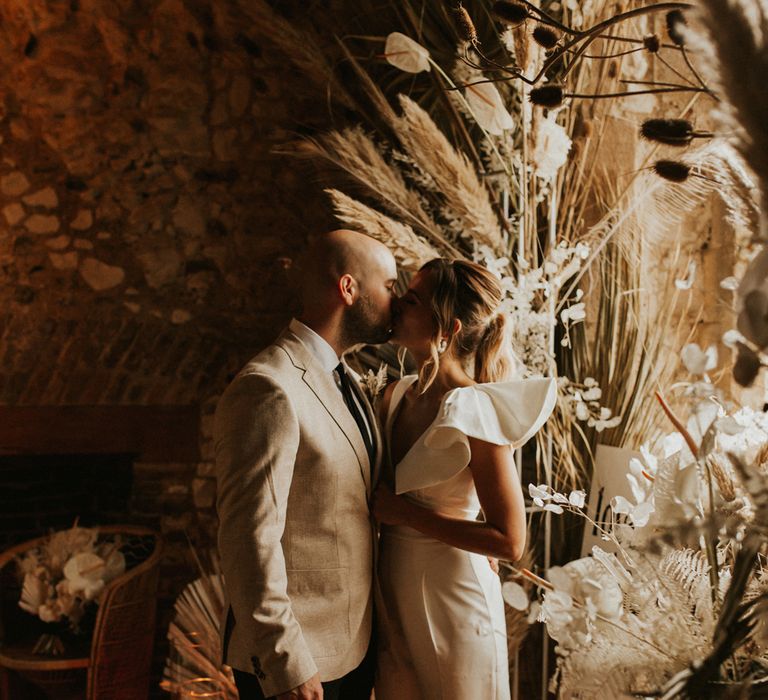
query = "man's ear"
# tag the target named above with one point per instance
(348, 289)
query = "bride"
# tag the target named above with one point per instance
(453, 496)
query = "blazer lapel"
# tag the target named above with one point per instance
(370, 415)
(328, 394)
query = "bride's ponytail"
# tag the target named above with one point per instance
(493, 361)
(466, 292)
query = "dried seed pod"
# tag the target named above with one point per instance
(673, 132)
(652, 43)
(672, 170)
(675, 21)
(512, 13)
(747, 365)
(718, 465)
(545, 36)
(464, 24)
(550, 95)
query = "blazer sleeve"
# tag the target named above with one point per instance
(256, 438)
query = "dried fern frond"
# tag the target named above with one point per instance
(455, 177)
(410, 250)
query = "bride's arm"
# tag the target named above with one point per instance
(501, 535)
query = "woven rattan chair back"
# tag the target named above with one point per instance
(121, 646)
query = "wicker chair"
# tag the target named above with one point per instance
(117, 665)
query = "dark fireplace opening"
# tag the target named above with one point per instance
(42, 493)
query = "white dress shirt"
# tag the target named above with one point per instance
(328, 360)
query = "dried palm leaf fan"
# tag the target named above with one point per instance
(194, 633)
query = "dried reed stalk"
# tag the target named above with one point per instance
(356, 154)
(410, 250)
(300, 46)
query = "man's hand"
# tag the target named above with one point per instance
(309, 690)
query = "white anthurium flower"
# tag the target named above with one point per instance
(729, 283)
(698, 361)
(406, 54)
(671, 444)
(559, 498)
(729, 425)
(488, 108)
(582, 412)
(514, 595)
(641, 485)
(703, 413)
(577, 498)
(687, 282)
(84, 573)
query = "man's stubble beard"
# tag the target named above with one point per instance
(360, 324)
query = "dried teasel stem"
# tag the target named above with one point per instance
(545, 36)
(673, 132)
(550, 96)
(675, 19)
(672, 170)
(511, 13)
(464, 24)
(651, 43)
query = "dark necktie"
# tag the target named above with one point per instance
(349, 399)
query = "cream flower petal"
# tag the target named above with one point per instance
(406, 54)
(514, 595)
(489, 110)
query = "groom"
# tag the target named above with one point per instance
(296, 457)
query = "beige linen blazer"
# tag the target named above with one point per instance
(296, 537)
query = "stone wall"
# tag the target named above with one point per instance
(144, 219)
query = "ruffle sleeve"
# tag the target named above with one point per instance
(503, 413)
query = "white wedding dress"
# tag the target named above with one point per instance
(441, 629)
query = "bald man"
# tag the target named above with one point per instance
(297, 453)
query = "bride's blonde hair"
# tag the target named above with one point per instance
(471, 294)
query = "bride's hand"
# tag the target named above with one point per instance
(388, 508)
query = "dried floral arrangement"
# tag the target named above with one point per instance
(193, 634)
(674, 606)
(489, 132)
(64, 576)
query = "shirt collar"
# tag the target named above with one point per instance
(316, 344)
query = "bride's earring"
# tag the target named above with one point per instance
(442, 346)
